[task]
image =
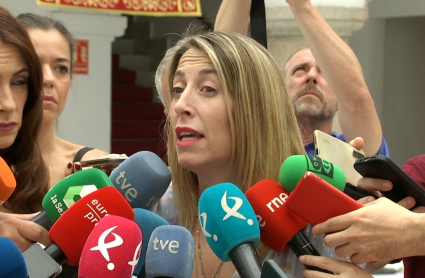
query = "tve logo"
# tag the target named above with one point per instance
(130, 192)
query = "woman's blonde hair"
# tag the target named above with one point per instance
(263, 124)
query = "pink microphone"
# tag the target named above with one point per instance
(112, 250)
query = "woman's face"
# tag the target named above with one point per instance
(198, 115)
(55, 58)
(14, 75)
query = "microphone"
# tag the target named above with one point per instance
(70, 232)
(142, 179)
(7, 181)
(147, 222)
(170, 252)
(279, 227)
(12, 263)
(295, 166)
(315, 200)
(271, 269)
(67, 191)
(112, 249)
(230, 227)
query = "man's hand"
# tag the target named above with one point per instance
(21, 230)
(381, 230)
(340, 268)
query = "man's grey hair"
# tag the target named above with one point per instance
(162, 67)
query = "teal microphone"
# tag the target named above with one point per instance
(231, 228)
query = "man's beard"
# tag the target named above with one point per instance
(311, 108)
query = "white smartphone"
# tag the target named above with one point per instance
(339, 153)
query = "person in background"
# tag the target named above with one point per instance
(322, 78)
(55, 49)
(21, 108)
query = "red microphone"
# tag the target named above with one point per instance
(7, 181)
(112, 249)
(315, 200)
(70, 232)
(279, 227)
(277, 224)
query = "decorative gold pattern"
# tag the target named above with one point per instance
(136, 7)
(151, 5)
(94, 3)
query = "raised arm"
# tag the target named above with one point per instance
(233, 16)
(342, 70)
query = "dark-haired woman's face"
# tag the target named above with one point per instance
(14, 75)
(55, 58)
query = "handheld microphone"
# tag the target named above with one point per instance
(295, 166)
(142, 179)
(70, 232)
(112, 249)
(315, 200)
(170, 253)
(12, 263)
(279, 227)
(147, 222)
(230, 227)
(67, 191)
(7, 181)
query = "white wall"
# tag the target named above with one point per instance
(86, 119)
(390, 48)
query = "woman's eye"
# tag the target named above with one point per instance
(208, 89)
(177, 90)
(19, 82)
(62, 69)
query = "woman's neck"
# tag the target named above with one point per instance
(206, 181)
(47, 138)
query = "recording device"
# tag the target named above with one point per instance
(339, 153)
(7, 181)
(105, 164)
(271, 269)
(67, 191)
(70, 232)
(147, 222)
(381, 167)
(279, 227)
(112, 249)
(12, 263)
(230, 227)
(295, 166)
(39, 263)
(170, 253)
(315, 200)
(142, 179)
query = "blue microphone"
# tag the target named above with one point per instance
(147, 222)
(12, 263)
(231, 227)
(170, 253)
(142, 179)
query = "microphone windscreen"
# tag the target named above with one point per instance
(12, 263)
(170, 252)
(147, 222)
(227, 219)
(112, 249)
(142, 179)
(295, 166)
(72, 229)
(72, 188)
(7, 181)
(277, 224)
